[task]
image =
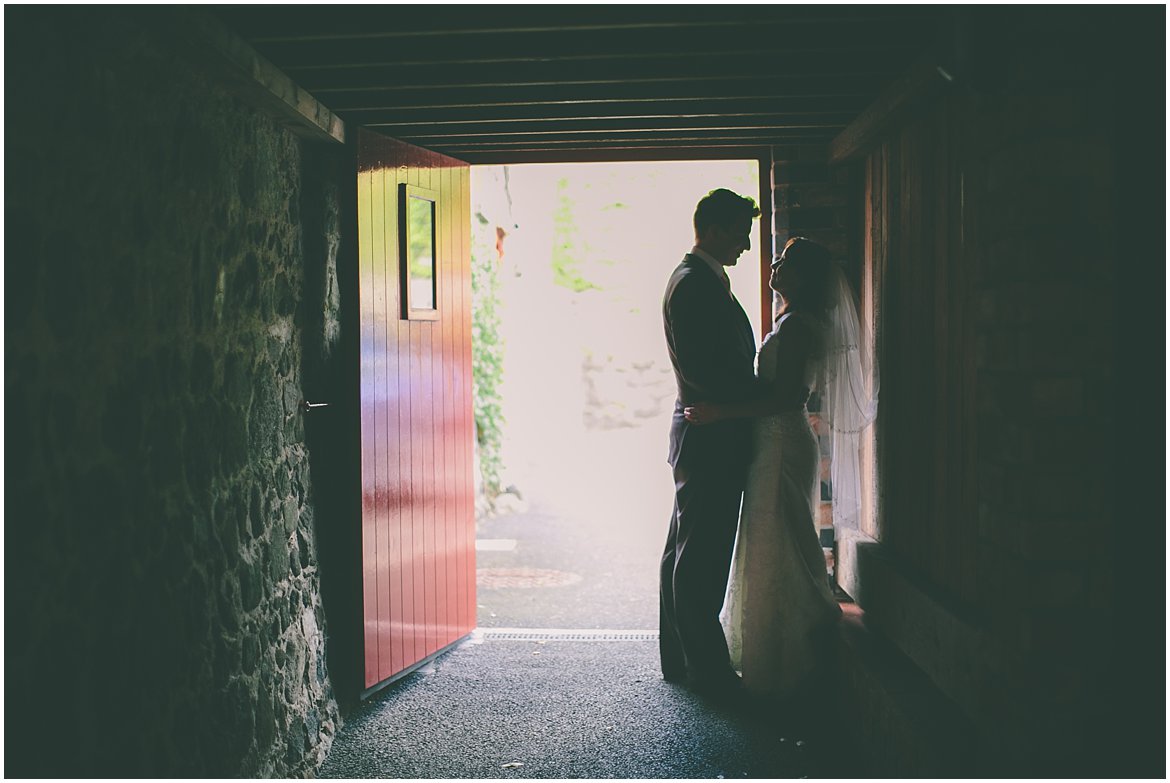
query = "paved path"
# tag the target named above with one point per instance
(598, 527)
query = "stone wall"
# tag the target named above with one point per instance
(810, 198)
(624, 388)
(163, 611)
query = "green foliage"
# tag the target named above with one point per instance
(487, 361)
(567, 248)
(420, 252)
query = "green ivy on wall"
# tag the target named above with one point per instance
(567, 247)
(487, 358)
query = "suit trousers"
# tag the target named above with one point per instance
(694, 573)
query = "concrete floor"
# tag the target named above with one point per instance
(583, 709)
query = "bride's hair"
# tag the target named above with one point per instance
(812, 265)
(847, 376)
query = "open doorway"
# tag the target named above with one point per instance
(574, 387)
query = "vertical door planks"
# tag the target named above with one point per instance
(368, 407)
(418, 523)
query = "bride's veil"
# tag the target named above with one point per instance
(847, 382)
(849, 392)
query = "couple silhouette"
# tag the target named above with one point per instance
(743, 583)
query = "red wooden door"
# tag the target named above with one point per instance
(418, 526)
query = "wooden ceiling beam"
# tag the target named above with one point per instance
(242, 70)
(824, 40)
(508, 81)
(665, 149)
(687, 138)
(612, 124)
(351, 63)
(611, 154)
(680, 68)
(848, 86)
(397, 22)
(596, 110)
(617, 153)
(928, 78)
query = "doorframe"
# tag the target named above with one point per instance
(346, 665)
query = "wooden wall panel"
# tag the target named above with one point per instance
(382, 475)
(466, 491)
(417, 516)
(920, 267)
(446, 370)
(368, 452)
(399, 583)
(431, 451)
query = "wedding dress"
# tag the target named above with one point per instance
(779, 602)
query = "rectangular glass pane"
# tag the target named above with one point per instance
(421, 252)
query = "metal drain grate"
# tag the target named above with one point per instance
(497, 578)
(563, 635)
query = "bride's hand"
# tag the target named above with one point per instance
(703, 413)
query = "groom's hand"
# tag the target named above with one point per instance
(702, 413)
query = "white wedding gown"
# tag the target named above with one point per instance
(779, 601)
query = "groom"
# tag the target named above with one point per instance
(712, 349)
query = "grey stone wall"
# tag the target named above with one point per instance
(810, 198)
(163, 611)
(626, 389)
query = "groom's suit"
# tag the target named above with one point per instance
(712, 350)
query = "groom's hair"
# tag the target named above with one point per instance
(722, 207)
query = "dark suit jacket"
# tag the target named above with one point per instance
(712, 349)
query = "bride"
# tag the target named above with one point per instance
(780, 607)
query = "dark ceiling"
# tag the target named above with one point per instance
(493, 83)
